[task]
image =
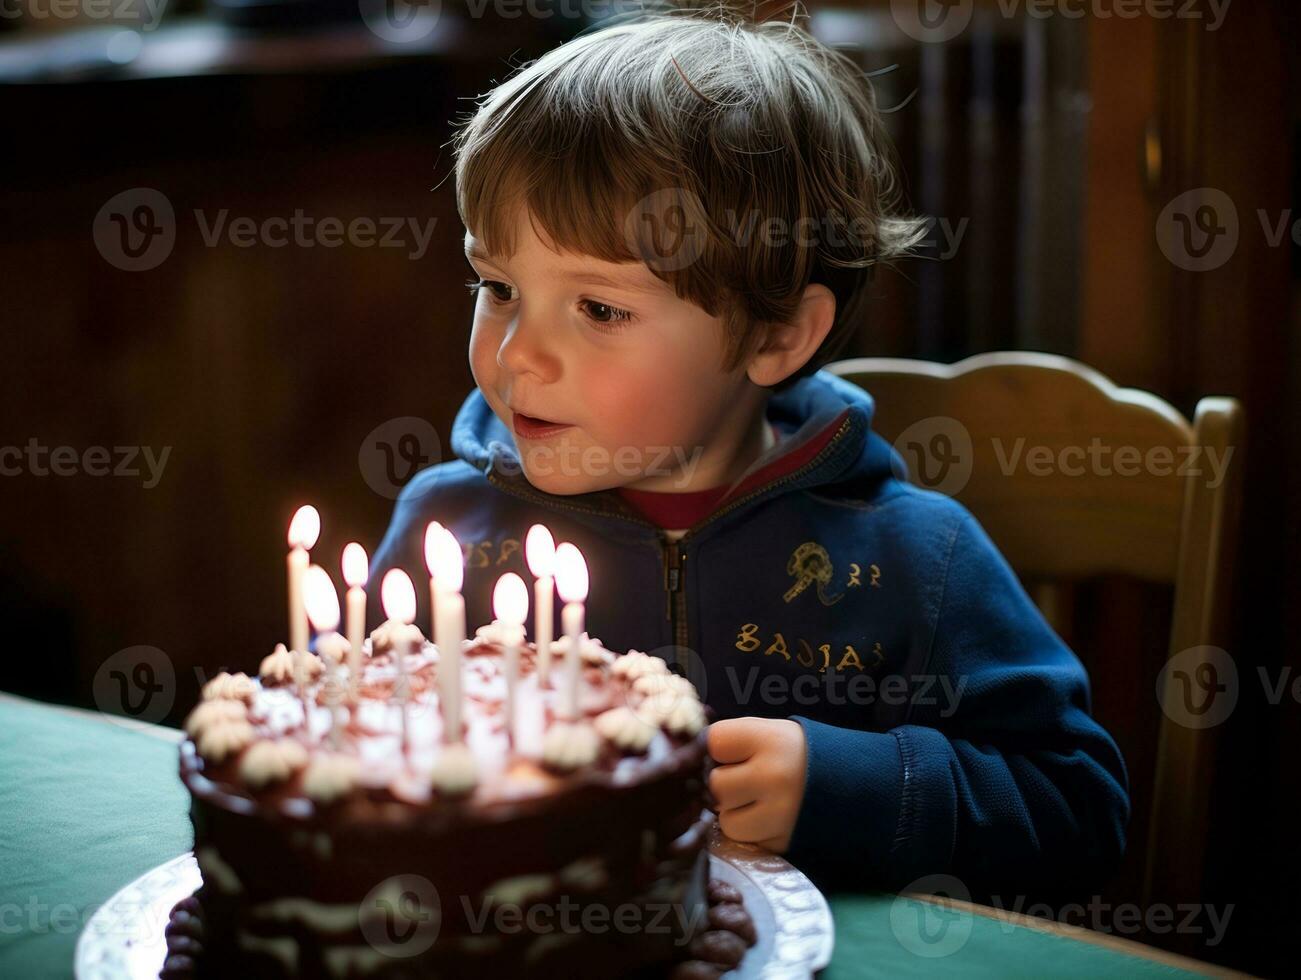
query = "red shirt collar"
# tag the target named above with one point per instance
(674, 510)
(686, 508)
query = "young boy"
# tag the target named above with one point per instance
(671, 223)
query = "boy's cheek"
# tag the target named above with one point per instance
(617, 399)
(640, 422)
(483, 356)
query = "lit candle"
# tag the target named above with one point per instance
(433, 535)
(356, 569)
(540, 551)
(510, 604)
(571, 581)
(446, 564)
(304, 529)
(398, 597)
(322, 604)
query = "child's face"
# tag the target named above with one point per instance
(635, 371)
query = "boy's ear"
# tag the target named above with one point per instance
(788, 346)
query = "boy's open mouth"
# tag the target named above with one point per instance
(531, 427)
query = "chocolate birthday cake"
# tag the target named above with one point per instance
(342, 832)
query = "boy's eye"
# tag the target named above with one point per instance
(602, 316)
(492, 286)
(607, 319)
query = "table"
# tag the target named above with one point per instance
(89, 801)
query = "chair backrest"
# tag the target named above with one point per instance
(1076, 479)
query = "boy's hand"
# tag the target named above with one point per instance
(758, 783)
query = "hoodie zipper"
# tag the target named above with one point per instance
(674, 554)
(675, 599)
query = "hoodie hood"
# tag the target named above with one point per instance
(827, 442)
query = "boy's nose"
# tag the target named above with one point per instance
(525, 350)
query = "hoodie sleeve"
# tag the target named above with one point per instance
(1017, 786)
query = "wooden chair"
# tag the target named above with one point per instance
(1061, 520)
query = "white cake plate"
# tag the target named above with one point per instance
(124, 939)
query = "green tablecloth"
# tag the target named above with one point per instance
(87, 804)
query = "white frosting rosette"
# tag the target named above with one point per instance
(215, 712)
(329, 776)
(281, 665)
(271, 761)
(590, 650)
(390, 632)
(332, 647)
(569, 745)
(234, 687)
(677, 713)
(311, 664)
(225, 738)
(652, 684)
(278, 665)
(494, 632)
(626, 729)
(635, 664)
(455, 772)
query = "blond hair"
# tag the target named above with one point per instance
(757, 150)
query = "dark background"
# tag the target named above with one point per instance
(266, 370)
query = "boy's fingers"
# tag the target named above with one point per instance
(732, 786)
(729, 740)
(747, 824)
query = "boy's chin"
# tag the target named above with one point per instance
(566, 469)
(565, 484)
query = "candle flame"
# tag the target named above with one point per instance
(305, 528)
(356, 566)
(433, 534)
(321, 600)
(446, 563)
(571, 573)
(540, 550)
(398, 596)
(510, 600)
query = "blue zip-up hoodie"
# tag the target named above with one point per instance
(947, 725)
